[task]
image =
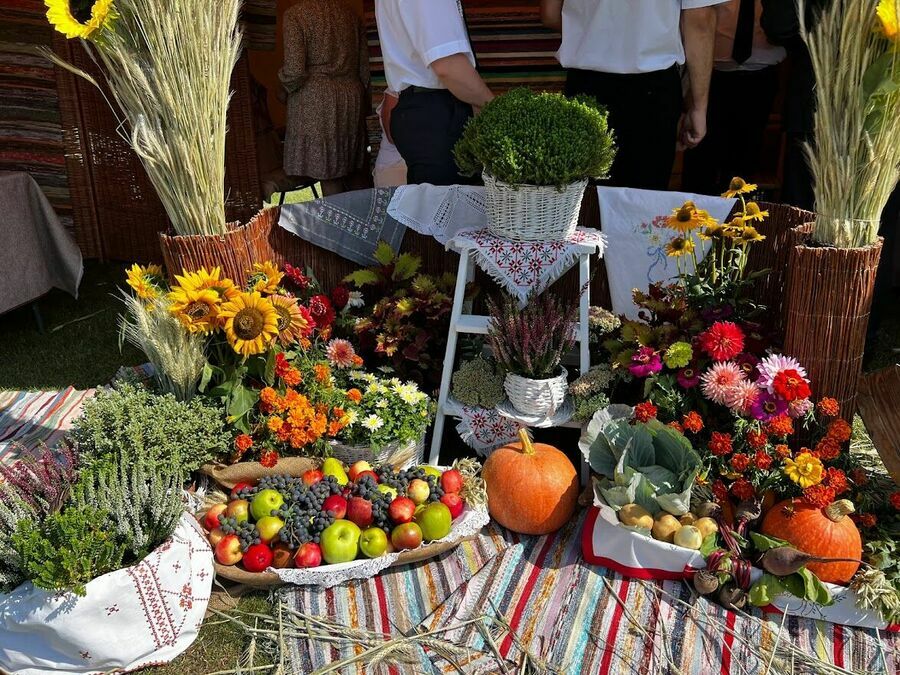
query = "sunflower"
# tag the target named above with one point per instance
(738, 186)
(198, 310)
(679, 246)
(213, 280)
(145, 280)
(264, 278)
(60, 16)
(292, 323)
(753, 212)
(887, 17)
(688, 217)
(750, 234)
(251, 323)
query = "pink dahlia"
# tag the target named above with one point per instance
(645, 362)
(742, 397)
(720, 380)
(773, 364)
(722, 341)
(340, 353)
(799, 407)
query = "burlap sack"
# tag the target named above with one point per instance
(229, 475)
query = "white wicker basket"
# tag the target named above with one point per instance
(398, 455)
(537, 397)
(532, 212)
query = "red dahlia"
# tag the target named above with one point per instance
(322, 311)
(340, 296)
(722, 341)
(791, 386)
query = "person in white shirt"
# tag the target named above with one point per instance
(429, 60)
(627, 54)
(390, 169)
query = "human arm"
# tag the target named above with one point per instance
(293, 71)
(698, 31)
(458, 74)
(388, 103)
(551, 14)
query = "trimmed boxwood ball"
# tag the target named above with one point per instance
(528, 138)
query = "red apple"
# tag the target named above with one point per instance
(402, 510)
(282, 555)
(211, 520)
(228, 550)
(312, 476)
(257, 558)
(358, 468)
(418, 490)
(407, 535)
(359, 511)
(370, 473)
(452, 481)
(308, 555)
(215, 536)
(239, 509)
(237, 488)
(336, 505)
(455, 503)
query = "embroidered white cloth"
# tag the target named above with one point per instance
(439, 211)
(131, 618)
(634, 223)
(523, 267)
(484, 430)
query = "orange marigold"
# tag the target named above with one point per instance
(292, 377)
(243, 443)
(740, 462)
(840, 430)
(275, 423)
(693, 422)
(268, 458)
(757, 439)
(323, 373)
(780, 426)
(818, 496)
(268, 395)
(644, 412)
(867, 520)
(827, 449)
(743, 489)
(829, 407)
(762, 461)
(354, 395)
(859, 476)
(720, 444)
(676, 426)
(782, 450)
(836, 480)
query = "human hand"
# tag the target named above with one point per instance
(693, 128)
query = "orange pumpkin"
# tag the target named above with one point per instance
(532, 488)
(824, 533)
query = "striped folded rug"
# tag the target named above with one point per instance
(29, 418)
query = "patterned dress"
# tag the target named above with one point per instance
(325, 74)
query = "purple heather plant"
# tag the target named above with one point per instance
(41, 480)
(531, 342)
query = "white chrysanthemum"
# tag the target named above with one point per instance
(773, 364)
(356, 299)
(381, 403)
(357, 375)
(373, 423)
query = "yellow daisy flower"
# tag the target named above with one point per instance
(251, 323)
(887, 17)
(59, 14)
(738, 186)
(145, 280)
(753, 212)
(804, 469)
(198, 310)
(688, 217)
(264, 278)
(712, 231)
(292, 324)
(679, 246)
(750, 233)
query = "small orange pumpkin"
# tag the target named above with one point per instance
(824, 533)
(532, 488)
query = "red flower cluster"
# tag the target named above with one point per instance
(720, 492)
(791, 386)
(644, 412)
(692, 422)
(757, 439)
(818, 496)
(286, 372)
(840, 430)
(743, 489)
(780, 426)
(268, 458)
(720, 444)
(827, 449)
(722, 341)
(836, 480)
(676, 426)
(340, 296)
(295, 274)
(865, 520)
(762, 461)
(859, 477)
(829, 407)
(740, 462)
(322, 311)
(895, 500)
(782, 450)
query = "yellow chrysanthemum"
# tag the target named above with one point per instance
(198, 310)
(292, 324)
(887, 17)
(679, 246)
(251, 323)
(738, 186)
(213, 280)
(804, 469)
(145, 280)
(750, 233)
(753, 212)
(688, 217)
(264, 278)
(59, 14)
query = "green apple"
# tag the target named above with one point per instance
(388, 490)
(430, 470)
(373, 542)
(340, 542)
(435, 521)
(265, 502)
(269, 527)
(418, 490)
(333, 467)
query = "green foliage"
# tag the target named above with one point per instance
(68, 549)
(158, 427)
(477, 382)
(523, 137)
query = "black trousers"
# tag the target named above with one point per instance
(426, 124)
(644, 110)
(740, 102)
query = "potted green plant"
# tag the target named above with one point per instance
(854, 162)
(528, 345)
(536, 152)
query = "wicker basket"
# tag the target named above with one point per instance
(537, 397)
(399, 455)
(532, 212)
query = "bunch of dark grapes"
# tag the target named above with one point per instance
(281, 482)
(436, 490)
(228, 525)
(387, 476)
(365, 487)
(318, 524)
(248, 535)
(304, 499)
(404, 477)
(324, 489)
(247, 493)
(380, 505)
(295, 532)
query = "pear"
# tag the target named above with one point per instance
(333, 467)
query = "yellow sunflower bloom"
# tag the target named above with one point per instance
(251, 323)
(264, 278)
(738, 186)
(753, 212)
(198, 310)
(750, 233)
(887, 17)
(292, 324)
(59, 14)
(145, 280)
(204, 279)
(688, 217)
(804, 469)
(679, 246)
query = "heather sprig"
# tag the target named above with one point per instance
(531, 342)
(41, 481)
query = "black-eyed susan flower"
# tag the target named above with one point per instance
(738, 186)
(750, 234)
(679, 246)
(688, 217)
(753, 212)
